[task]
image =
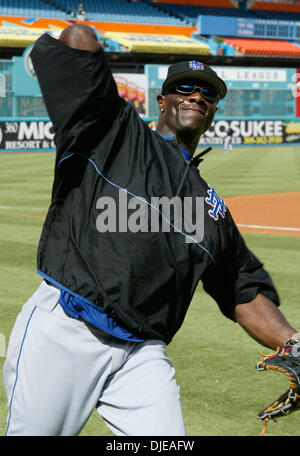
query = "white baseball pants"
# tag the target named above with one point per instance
(58, 369)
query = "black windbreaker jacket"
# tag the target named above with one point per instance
(107, 159)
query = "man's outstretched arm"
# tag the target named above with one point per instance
(263, 321)
(77, 86)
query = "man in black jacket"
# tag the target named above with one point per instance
(119, 270)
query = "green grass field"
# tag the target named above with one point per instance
(214, 358)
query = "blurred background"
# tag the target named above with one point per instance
(253, 45)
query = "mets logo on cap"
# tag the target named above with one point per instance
(196, 66)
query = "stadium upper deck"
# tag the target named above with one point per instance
(96, 10)
(218, 24)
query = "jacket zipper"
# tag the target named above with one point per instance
(194, 161)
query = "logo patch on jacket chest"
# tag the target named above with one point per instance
(217, 203)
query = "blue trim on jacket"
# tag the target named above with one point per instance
(79, 307)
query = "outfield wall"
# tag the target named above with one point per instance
(262, 105)
(21, 135)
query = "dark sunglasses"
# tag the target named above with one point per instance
(188, 88)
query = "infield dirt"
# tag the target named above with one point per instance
(273, 213)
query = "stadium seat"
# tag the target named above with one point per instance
(207, 3)
(30, 8)
(264, 47)
(191, 12)
(122, 11)
(276, 9)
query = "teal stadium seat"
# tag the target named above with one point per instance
(121, 11)
(102, 10)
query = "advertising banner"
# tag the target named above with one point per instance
(133, 87)
(253, 132)
(26, 135)
(291, 131)
(237, 77)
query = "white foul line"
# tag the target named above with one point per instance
(262, 227)
(22, 208)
